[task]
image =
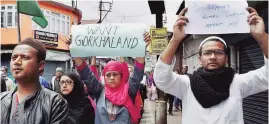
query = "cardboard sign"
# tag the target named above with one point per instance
(158, 40)
(217, 17)
(116, 39)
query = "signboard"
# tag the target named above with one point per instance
(47, 38)
(150, 60)
(115, 39)
(217, 17)
(158, 40)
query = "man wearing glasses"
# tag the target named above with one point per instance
(214, 93)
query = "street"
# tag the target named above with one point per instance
(146, 119)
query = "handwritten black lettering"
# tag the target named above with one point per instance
(84, 42)
(116, 28)
(112, 44)
(107, 31)
(210, 16)
(135, 40)
(91, 31)
(128, 43)
(119, 41)
(89, 40)
(234, 14)
(94, 40)
(213, 25)
(233, 23)
(103, 39)
(78, 41)
(217, 7)
(107, 41)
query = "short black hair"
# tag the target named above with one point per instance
(36, 44)
(224, 46)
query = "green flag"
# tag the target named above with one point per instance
(30, 7)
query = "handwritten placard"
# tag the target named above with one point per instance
(158, 40)
(116, 39)
(217, 17)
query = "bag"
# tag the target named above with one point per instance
(153, 93)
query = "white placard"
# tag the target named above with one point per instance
(115, 39)
(217, 17)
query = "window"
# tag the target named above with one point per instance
(57, 23)
(8, 16)
(68, 25)
(2, 19)
(16, 18)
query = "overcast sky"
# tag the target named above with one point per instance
(123, 11)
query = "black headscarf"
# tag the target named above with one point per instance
(78, 92)
(80, 109)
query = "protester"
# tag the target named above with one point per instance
(214, 93)
(9, 83)
(151, 88)
(54, 84)
(29, 103)
(143, 92)
(43, 81)
(116, 99)
(170, 99)
(3, 85)
(177, 101)
(81, 110)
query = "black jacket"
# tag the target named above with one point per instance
(45, 107)
(82, 113)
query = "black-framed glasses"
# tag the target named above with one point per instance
(218, 53)
(67, 82)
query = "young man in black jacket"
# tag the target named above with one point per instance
(29, 103)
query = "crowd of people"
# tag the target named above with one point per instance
(116, 96)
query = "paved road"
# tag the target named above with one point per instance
(171, 119)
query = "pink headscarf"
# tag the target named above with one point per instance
(119, 95)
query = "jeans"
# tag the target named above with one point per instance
(177, 102)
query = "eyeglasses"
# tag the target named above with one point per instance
(218, 53)
(67, 82)
(114, 74)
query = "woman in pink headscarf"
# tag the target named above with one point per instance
(116, 99)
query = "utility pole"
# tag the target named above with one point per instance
(103, 9)
(160, 112)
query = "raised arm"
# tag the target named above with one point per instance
(178, 36)
(257, 80)
(257, 30)
(94, 86)
(137, 75)
(94, 68)
(135, 79)
(164, 77)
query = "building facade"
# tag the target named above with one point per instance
(60, 18)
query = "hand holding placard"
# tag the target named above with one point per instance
(217, 17)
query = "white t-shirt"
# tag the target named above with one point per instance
(227, 112)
